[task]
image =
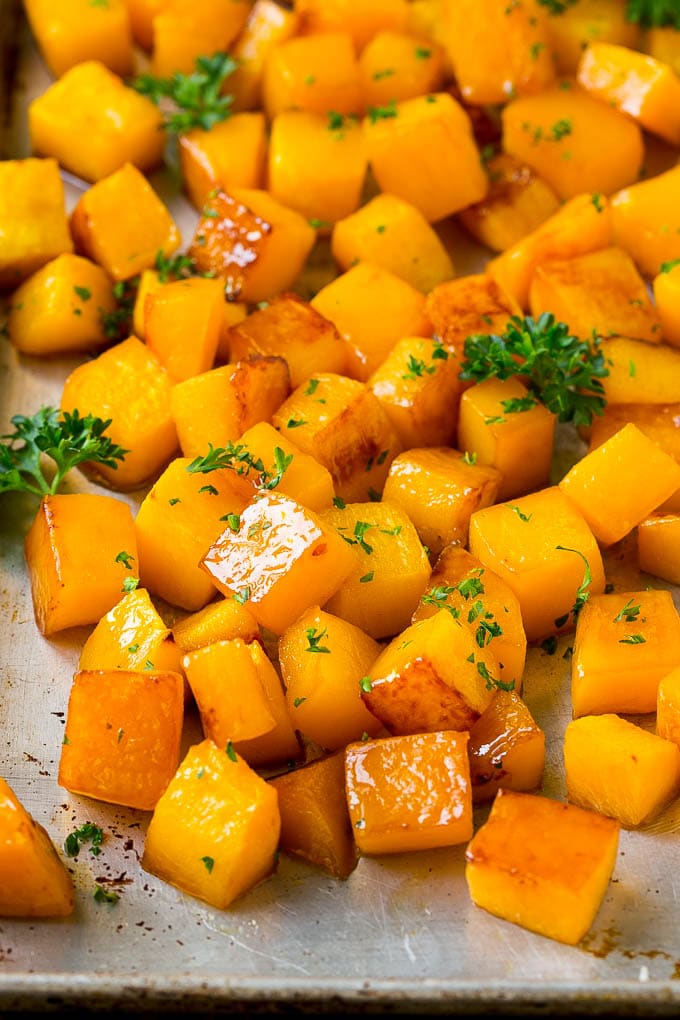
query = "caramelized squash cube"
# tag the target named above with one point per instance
(267, 26)
(506, 749)
(646, 220)
(668, 707)
(69, 34)
(223, 620)
(472, 304)
(33, 216)
(394, 66)
(184, 31)
(192, 307)
(231, 154)
(282, 742)
(659, 546)
(304, 479)
(133, 637)
(315, 73)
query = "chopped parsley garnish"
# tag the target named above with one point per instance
(654, 13)
(522, 516)
(583, 590)
(102, 895)
(210, 489)
(209, 863)
(125, 558)
(469, 458)
(417, 368)
(197, 97)
(298, 701)
(295, 423)
(234, 521)
(314, 641)
(376, 113)
(241, 596)
(238, 458)
(129, 584)
(365, 684)
(339, 503)
(230, 752)
(596, 199)
(632, 639)
(84, 293)
(666, 267)
(367, 577)
(87, 833)
(629, 613)
(312, 387)
(422, 53)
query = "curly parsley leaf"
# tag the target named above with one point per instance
(654, 13)
(197, 97)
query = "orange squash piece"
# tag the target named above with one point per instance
(231, 154)
(659, 422)
(395, 66)
(223, 620)
(659, 546)
(668, 707)
(304, 479)
(646, 220)
(316, 73)
(574, 28)
(133, 637)
(69, 34)
(33, 215)
(187, 307)
(362, 21)
(268, 24)
(184, 31)
(469, 305)
(640, 373)
(282, 742)
(506, 749)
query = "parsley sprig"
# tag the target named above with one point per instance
(87, 833)
(654, 13)
(65, 437)
(562, 372)
(197, 97)
(237, 457)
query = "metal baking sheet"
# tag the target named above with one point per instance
(401, 933)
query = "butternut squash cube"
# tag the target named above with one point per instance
(231, 154)
(304, 479)
(472, 304)
(519, 444)
(418, 387)
(409, 792)
(666, 286)
(60, 308)
(72, 553)
(544, 550)
(267, 26)
(362, 21)
(640, 373)
(483, 603)
(282, 742)
(133, 637)
(68, 34)
(214, 832)
(393, 234)
(601, 292)
(668, 707)
(625, 643)
(395, 66)
(129, 386)
(184, 31)
(281, 560)
(315, 73)
(323, 659)
(177, 521)
(223, 620)
(635, 83)
(315, 821)
(542, 864)
(433, 676)
(391, 567)
(94, 124)
(425, 153)
(372, 309)
(122, 737)
(577, 26)
(257, 244)
(659, 546)
(314, 167)
(439, 492)
(646, 220)
(618, 484)
(620, 770)
(340, 423)
(192, 307)
(33, 216)
(506, 749)
(517, 203)
(558, 133)
(33, 880)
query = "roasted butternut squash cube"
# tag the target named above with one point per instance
(584, 23)
(395, 66)
(439, 491)
(634, 83)
(253, 241)
(177, 521)
(506, 749)
(33, 216)
(467, 306)
(625, 643)
(33, 880)
(372, 309)
(620, 770)
(581, 225)
(409, 792)
(640, 373)
(517, 203)
(668, 707)
(282, 742)
(280, 561)
(214, 832)
(425, 153)
(302, 477)
(231, 398)
(60, 308)
(483, 603)
(122, 737)
(315, 821)
(323, 659)
(433, 676)
(362, 21)
(183, 32)
(498, 50)
(223, 620)
(72, 553)
(93, 124)
(314, 167)
(231, 154)
(316, 73)
(418, 387)
(393, 234)
(133, 637)
(192, 307)
(290, 328)
(666, 286)
(519, 444)
(542, 864)
(68, 34)
(129, 386)
(601, 292)
(663, 44)
(646, 220)
(391, 567)
(659, 546)
(620, 483)
(229, 695)
(267, 26)
(544, 550)
(341, 424)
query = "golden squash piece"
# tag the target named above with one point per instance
(183, 31)
(214, 832)
(232, 154)
(409, 792)
(133, 637)
(315, 822)
(659, 422)
(287, 468)
(122, 737)
(192, 307)
(223, 620)
(395, 66)
(668, 707)
(313, 73)
(659, 546)
(620, 770)
(282, 742)
(267, 25)
(506, 749)
(646, 220)
(640, 373)
(578, 25)
(666, 286)
(391, 567)
(76, 551)
(544, 550)
(33, 881)
(323, 659)
(69, 34)
(362, 21)
(33, 216)
(472, 304)
(625, 643)
(433, 676)
(542, 865)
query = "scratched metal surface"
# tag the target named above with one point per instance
(401, 932)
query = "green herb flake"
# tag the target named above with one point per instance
(314, 641)
(84, 293)
(549, 645)
(596, 199)
(339, 503)
(666, 267)
(312, 387)
(87, 833)
(386, 73)
(129, 584)
(376, 113)
(423, 53)
(198, 98)
(102, 895)
(209, 863)
(210, 489)
(298, 701)
(234, 522)
(367, 577)
(125, 558)
(365, 684)
(522, 516)
(629, 613)
(469, 458)
(230, 752)
(633, 639)
(241, 596)
(174, 501)
(295, 423)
